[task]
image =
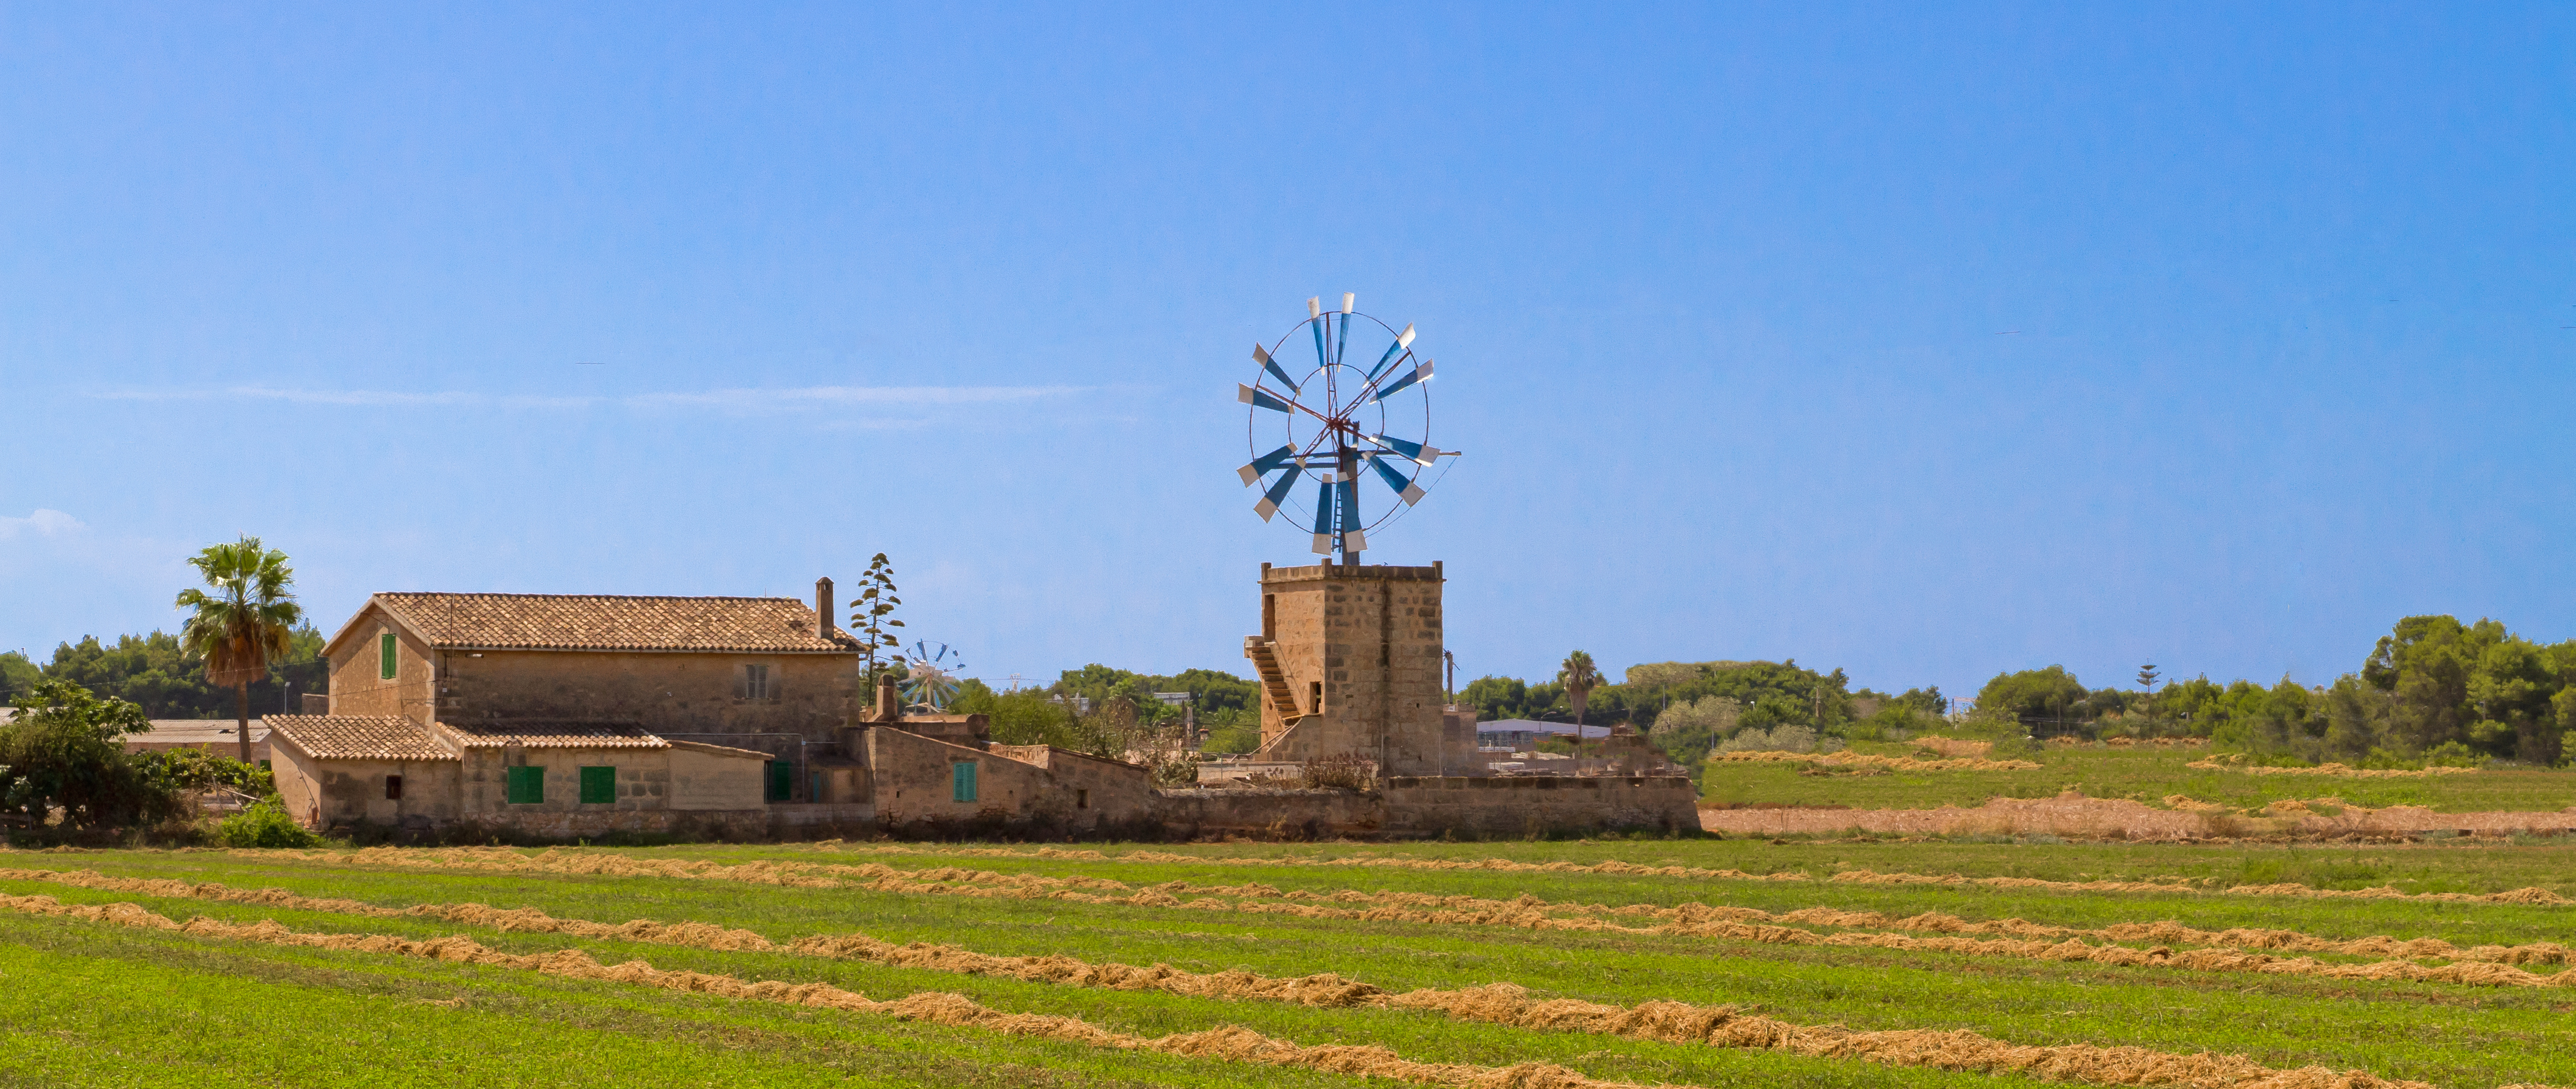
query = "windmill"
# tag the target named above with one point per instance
(932, 679)
(1341, 423)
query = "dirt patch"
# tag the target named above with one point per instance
(2077, 817)
(1505, 1004)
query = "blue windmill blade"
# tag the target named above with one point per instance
(1417, 374)
(1269, 504)
(1403, 341)
(1352, 539)
(1315, 319)
(1260, 398)
(1262, 356)
(1324, 516)
(1411, 491)
(1415, 452)
(1261, 466)
(1342, 346)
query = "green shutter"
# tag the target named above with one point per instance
(961, 782)
(782, 780)
(385, 657)
(598, 786)
(527, 786)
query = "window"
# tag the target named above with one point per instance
(393, 788)
(1315, 706)
(1082, 799)
(782, 780)
(527, 785)
(598, 786)
(961, 782)
(385, 657)
(754, 684)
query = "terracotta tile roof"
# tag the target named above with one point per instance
(552, 735)
(359, 737)
(770, 625)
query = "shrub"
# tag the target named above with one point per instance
(266, 824)
(66, 750)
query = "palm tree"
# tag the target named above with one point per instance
(1580, 677)
(249, 619)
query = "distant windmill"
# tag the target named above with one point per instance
(1335, 419)
(933, 675)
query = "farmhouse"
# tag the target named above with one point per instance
(568, 715)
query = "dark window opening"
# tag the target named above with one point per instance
(393, 788)
(1082, 799)
(1315, 705)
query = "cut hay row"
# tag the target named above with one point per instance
(2234, 950)
(2530, 896)
(821, 875)
(1867, 760)
(1503, 1004)
(2340, 771)
(1229, 1043)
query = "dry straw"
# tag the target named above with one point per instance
(2231, 950)
(1504, 1004)
(2341, 771)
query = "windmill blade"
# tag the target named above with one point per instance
(1415, 452)
(1411, 491)
(1260, 398)
(1269, 504)
(1324, 516)
(1403, 341)
(1417, 374)
(1315, 320)
(1261, 355)
(1352, 539)
(1342, 346)
(1261, 466)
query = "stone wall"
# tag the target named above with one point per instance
(809, 695)
(323, 793)
(1203, 813)
(1467, 807)
(1367, 640)
(1492, 807)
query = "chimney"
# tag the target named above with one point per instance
(888, 708)
(823, 625)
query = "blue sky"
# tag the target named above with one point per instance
(1925, 341)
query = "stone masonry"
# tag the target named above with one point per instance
(1354, 665)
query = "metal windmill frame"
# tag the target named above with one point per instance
(1332, 436)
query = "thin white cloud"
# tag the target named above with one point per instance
(728, 400)
(746, 400)
(351, 398)
(43, 523)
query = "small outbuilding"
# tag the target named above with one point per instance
(553, 779)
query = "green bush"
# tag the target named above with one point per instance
(265, 824)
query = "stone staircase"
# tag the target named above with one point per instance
(1274, 681)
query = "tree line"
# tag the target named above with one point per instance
(2432, 689)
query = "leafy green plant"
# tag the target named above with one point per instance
(872, 620)
(65, 750)
(247, 622)
(265, 824)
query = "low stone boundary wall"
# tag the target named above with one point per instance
(1511, 806)
(1423, 807)
(695, 823)
(1270, 814)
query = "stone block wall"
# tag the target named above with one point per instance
(1361, 651)
(1510, 806)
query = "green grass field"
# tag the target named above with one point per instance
(102, 1004)
(2144, 774)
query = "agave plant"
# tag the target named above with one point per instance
(248, 619)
